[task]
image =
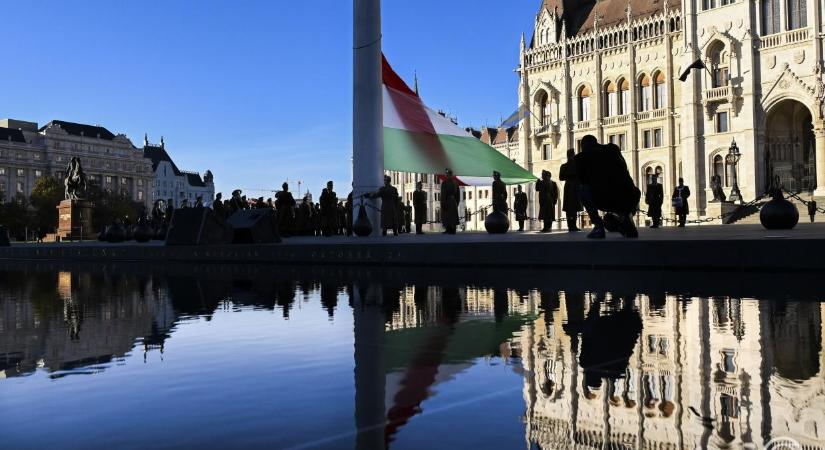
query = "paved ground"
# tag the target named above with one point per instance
(712, 247)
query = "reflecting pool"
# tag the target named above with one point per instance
(219, 357)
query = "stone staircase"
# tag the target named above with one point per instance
(750, 214)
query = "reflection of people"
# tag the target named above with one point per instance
(520, 207)
(570, 202)
(680, 201)
(654, 197)
(450, 194)
(607, 344)
(606, 185)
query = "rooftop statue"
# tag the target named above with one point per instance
(75, 181)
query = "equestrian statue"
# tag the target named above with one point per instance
(75, 181)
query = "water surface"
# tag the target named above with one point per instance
(132, 356)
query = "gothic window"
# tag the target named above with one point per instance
(645, 92)
(648, 176)
(719, 64)
(770, 16)
(661, 90)
(611, 99)
(584, 104)
(719, 168)
(624, 97)
(797, 14)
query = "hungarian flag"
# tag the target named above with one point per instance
(419, 140)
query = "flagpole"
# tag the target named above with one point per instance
(367, 104)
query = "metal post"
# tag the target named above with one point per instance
(367, 103)
(733, 158)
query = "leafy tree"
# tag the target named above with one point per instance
(109, 206)
(46, 195)
(14, 215)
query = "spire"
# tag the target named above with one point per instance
(415, 83)
(162, 144)
(145, 139)
(523, 42)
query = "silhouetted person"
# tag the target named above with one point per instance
(520, 207)
(680, 197)
(606, 185)
(236, 203)
(184, 204)
(812, 209)
(654, 197)
(399, 215)
(199, 201)
(420, 204)
(217, 206)
(571, 205)
(548, 193)
(389, 203)
(607, 343)
(244, 202)
(450, 197)
(499, 194)
(328, 210)
(285, 204)
(348, 211)
(408, 216)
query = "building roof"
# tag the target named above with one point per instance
(194, 179)
(158, 154)
(9, 134)
(579, 15)
(78, 129)
(488, 135)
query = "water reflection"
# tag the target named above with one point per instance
(589, 363)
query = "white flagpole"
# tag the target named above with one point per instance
(367, 104)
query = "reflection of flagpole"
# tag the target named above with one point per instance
(367, 102)
(370, 379)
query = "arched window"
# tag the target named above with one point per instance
(770, 16)
(648, 177)
(584, 103)
(544, 108)
(611, 99)
(661, 90)
(718, 64)
(624, 97)
(646, 93)
(797, 14)
(719, 168)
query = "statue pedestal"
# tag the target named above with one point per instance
(716, 209)
(74, 220)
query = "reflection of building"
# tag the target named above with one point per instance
(704, 373)
(110, 161)
(611, 68)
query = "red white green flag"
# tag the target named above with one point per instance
(419, 140)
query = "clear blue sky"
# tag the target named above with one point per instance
(258, 91)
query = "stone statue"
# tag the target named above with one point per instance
(716, 188)
(75, 181)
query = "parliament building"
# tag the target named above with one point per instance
(611, 68)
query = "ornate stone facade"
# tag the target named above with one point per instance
(611, 69)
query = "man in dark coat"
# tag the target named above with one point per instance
(606, 185)
(329, 210)
(420, 204)
(236, 203)
(399, 215)
(548, 193)
(170, 211)
(285, 204)
(680, 202)
(389, 205)
(654, 197)
(520, 207)
(571, 205)
(408, 213)
(348, 211)
(499, 194)
(217, 206)
(450, 197)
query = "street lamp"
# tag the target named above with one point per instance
(732, 159)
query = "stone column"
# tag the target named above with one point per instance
(819, 133)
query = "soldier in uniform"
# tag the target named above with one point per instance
(570, 202)
(285, 204)
(654, 197)
(420, 204)
(548, 193)
(389, 205)
(450, 197)
(329, 210)
(499, 194)
(520, 207)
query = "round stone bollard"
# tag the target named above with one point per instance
(779, 214)
(497, 223)
(115, 233)
(362, 226)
